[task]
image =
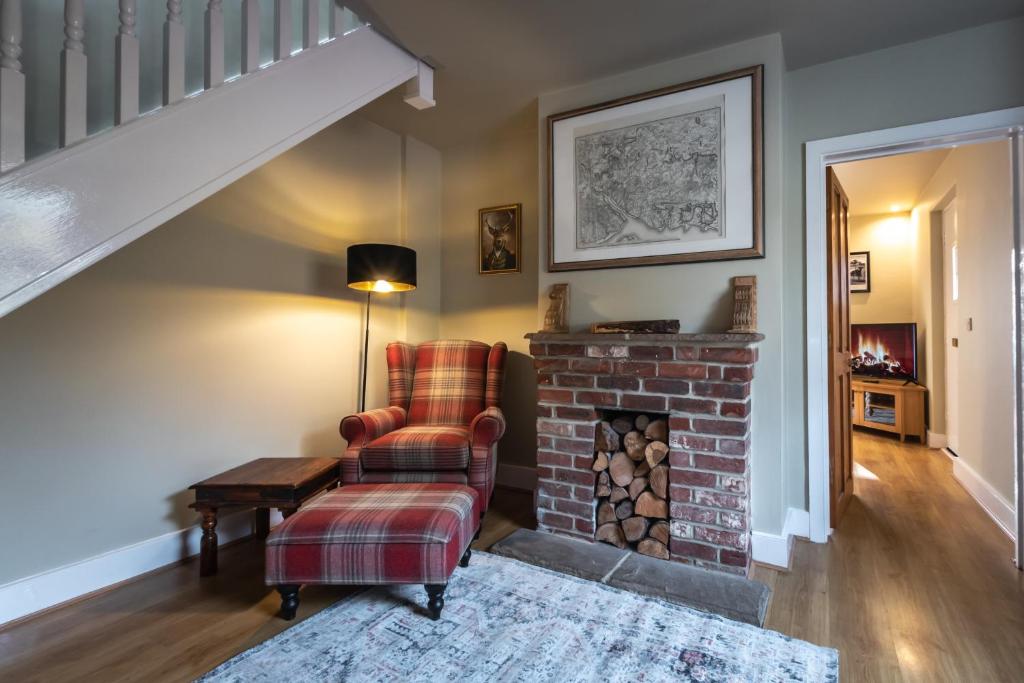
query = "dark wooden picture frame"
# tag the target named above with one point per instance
(756, 250)
(498, 252)
(860, 286)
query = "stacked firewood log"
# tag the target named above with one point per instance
(630, 458)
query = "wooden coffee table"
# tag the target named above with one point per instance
(282, 483)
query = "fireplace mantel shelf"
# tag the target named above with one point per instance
(684, 338)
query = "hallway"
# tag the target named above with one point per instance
(917, 584)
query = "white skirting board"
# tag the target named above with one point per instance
(936, 440)
(34, 593)
(991, 501)
(517, 477)
(776, 549)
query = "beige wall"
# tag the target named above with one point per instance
(225, 335)
(978, 176)
(499, 170)
(890, 239)
(699, 295)
(971, 71)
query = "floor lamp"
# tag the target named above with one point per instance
(380, 268)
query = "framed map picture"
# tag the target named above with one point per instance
(500, 239)
(668, 176)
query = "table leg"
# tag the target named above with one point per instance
(208, 544)
(262, 526)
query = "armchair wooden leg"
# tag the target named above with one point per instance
(289, 601)
(435, 593)
(464, 562)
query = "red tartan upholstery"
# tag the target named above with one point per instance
(443, 423)
(419, 448)
(375, 534)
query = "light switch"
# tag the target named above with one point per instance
(956, 342)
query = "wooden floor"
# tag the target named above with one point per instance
(917, 584)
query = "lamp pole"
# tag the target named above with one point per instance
(366, 352)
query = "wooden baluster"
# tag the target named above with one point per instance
(282, 29)
(310, 23)
(12, 87)
(73, 75)
(250, 36)
(174, 54)
(213, 73)
(126, 71)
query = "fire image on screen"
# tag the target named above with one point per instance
(885, 350)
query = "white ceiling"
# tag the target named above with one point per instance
(496, 56)
(888, 184)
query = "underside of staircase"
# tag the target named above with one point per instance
(64, 211)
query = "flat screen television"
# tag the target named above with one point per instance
(884, 350)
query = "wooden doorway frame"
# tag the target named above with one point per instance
(1006, 124)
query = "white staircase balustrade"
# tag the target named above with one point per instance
(69, 208)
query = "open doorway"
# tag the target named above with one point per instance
(925, 309)
(916, 265)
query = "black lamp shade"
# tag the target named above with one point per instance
(381, 268)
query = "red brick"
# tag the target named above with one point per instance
(607, 351)
(554, 459)
(691, 549)
(687, 353)
(573, 446)
(693, 405)
(714, 372)
(574, 380)
(716, 499)
(538, 349)
(556, 428)
(584, 431)
(551, 364)
(574, 476)
(554, 395)
(690, 442)
(722, 427)
(667, 386)
(544, 411)
(592, 365)
(597, 398)
(618, 382)
(683, 370)
(678, 424)
(651, 352)
(733, 446)
(545, 472)
(732, 520)
(680, 494)
(545, 503)
(733, 484)
(725, 355)
(544, 442)
(734, 558)
(575, 413)
(554, 519)
(644, 402)
(692, 513)
(584, 493)
(566, 349)
(691, 478)
(735, 409)
(730, 539)
(575, 507)
(738, 374)
(584, 526)
(583, 462)
(717, 464)
(545, 378)
(636, 368)
(677, 458)
(554, 489)
(721, 390)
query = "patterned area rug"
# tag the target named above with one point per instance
(508, 621)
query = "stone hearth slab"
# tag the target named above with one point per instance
(730, 596)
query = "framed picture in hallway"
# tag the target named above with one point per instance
(669, 176)
(860, 271)
(500, 238)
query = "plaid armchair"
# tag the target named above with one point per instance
(443, 422)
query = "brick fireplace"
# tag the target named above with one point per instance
(700, 382)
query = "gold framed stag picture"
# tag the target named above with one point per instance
(500, 239)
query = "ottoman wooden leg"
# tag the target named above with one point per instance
(464, 562)
(289, 601)
(435, 591)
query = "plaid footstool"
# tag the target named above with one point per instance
(375, 534)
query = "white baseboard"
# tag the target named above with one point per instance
(777, 549)
(35, 593)
(517, 477)
(936, 440)
(991, 501)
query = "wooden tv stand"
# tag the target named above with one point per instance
(889, 405)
